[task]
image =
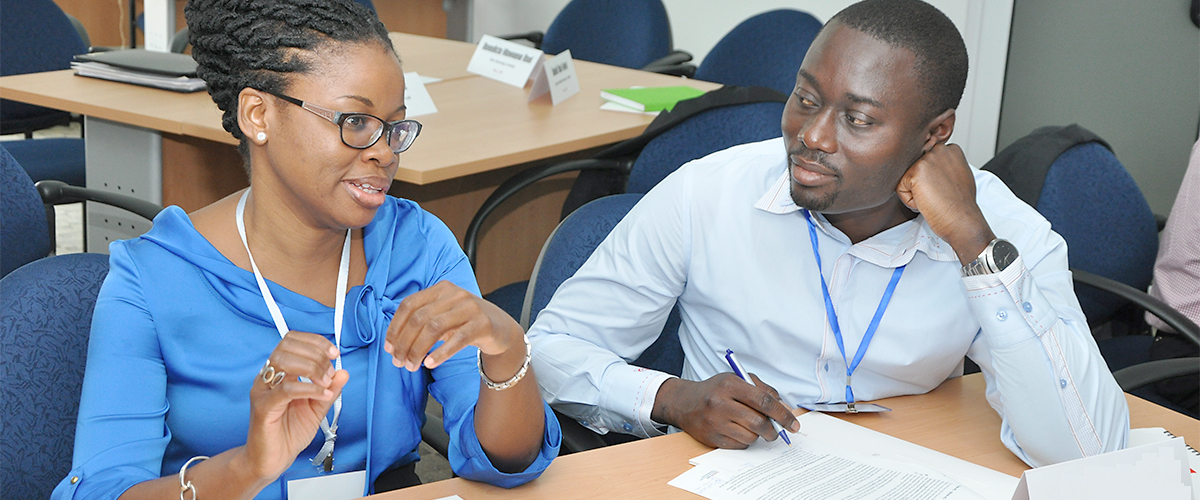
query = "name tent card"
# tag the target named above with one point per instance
(504, 61)
(557, 76)
(416, 97)
(1155, 470)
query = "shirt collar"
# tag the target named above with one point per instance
(891, 248)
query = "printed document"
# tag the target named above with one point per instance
(833, 459)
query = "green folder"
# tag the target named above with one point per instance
(650, 98)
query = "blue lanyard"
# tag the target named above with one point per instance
(833, 320)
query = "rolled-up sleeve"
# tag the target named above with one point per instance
(456, 385)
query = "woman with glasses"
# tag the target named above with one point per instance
(281, 342)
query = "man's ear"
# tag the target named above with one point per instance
(252, 113)
(939, 129)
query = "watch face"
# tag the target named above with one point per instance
(1003, 254)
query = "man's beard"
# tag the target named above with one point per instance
(812, 203)
(804, 200)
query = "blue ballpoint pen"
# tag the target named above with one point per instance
(744, 375)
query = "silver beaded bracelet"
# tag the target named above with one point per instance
(184, 486)
(515, 378)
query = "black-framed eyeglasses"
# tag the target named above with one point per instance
(361, 130)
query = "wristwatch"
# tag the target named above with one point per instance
(995, 258)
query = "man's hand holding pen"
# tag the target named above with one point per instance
(723, 411)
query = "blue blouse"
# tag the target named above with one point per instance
(180, 332)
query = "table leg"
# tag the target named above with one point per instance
(120, 159)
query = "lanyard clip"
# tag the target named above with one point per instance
(329, 462)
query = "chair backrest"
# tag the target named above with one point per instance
(569, 246)
(35, 36)
(1095, 205)
(24, 229)
(1071, 176)
(765, 50)
(627, 33)
(700, 135)
(45, 316)
(58, 158)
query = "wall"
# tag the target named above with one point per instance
(1129, 71)
(697, 25)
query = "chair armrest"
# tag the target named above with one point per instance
(675, 63)
(675, 57)
(58, 192)
(1142, 374)
(524, 179)
(179, 41)
(1175, 319)
(433, 433)
(83, 34)
(534, 37)
(1160, 221)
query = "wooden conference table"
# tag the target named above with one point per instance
(954, 419)
(483, 133)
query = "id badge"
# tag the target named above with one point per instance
(845, 408)
(344, 486)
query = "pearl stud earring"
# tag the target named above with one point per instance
(262, 136)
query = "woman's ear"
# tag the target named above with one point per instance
(252, 115)
(939, 129)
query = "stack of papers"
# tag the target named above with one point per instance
(647, 99)
(833, 459)
(161, 70)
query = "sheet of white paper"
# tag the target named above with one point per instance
(1156, 470)
(504, 61)
(816, 469)
(816, 427)
(612, 106)
(451, 497)
(416, 97)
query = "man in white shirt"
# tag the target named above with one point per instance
(922, 260)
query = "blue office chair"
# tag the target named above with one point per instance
(628, 33)
(27, 232)
(567, 248)
(765, 50)
(1074, 180)
(45, 316)
(35, 36)
(694, 128)
(59, 158)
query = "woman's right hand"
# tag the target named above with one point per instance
(285, 418)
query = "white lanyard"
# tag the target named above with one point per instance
(325, 456)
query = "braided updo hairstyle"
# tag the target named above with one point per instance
(258, 43)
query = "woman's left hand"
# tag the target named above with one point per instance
(445, 312)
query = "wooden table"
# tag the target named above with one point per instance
(484, 132)
(954, 419)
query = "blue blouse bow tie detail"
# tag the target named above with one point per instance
(372, 313)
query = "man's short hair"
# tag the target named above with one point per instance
(941, 55)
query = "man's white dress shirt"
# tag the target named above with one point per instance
(722, 236)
